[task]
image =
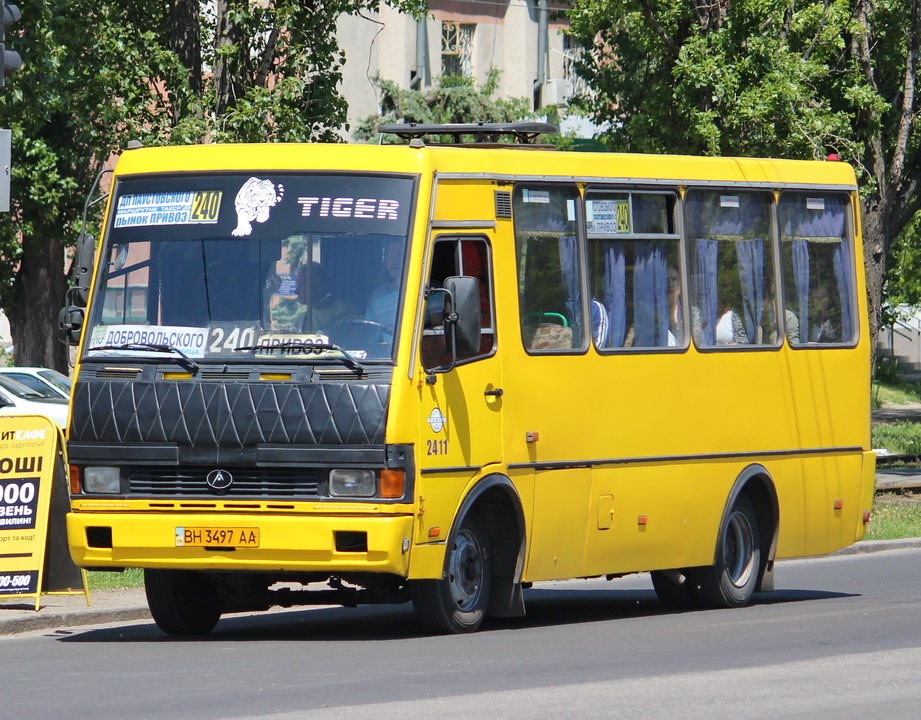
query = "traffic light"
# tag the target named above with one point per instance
(11, 59)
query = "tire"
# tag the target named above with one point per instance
(674, 589)
(731, 581)
(182, 602)
(457, 603)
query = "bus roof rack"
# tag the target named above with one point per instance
(524, 132)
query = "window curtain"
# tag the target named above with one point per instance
(650, 295)
(750, 256)
(841, 266)
(704, 290)
(569, 266)
(801, 279)
(615, 293)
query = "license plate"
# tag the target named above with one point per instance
(217, 537)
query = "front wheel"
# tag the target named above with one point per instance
(457, 602)
(182, 602)
(731, 581)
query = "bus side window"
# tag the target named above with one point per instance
(817, 254)
(634, 269)
(452, 257)
(549, 276)
(732, 267)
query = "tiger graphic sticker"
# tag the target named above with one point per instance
(253, 203)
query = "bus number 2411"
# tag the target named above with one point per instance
(437, 447)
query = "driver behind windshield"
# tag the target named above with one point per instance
(321, 307)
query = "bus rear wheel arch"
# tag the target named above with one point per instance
(732, 579)
(743, 557)
(744, 554)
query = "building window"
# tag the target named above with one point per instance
(457, 48)
(575, 85)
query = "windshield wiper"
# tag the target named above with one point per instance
(346, 358)
(151, 346)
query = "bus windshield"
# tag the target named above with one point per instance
(275, 267)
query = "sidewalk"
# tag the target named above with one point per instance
(18, 615)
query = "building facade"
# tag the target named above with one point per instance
(523, 39)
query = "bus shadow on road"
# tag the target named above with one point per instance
(545, 608)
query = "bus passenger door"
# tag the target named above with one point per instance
(461, 410)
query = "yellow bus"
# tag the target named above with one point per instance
(439, 373)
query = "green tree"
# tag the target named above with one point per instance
(903, 272)
(770, 78)
(454, 99)
(165, 72)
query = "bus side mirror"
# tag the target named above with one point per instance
(462, 315)
(70, 323)
(83, 269)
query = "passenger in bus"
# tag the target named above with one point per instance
(825, 327)
(599, 323)
(675, 311)
(730, 329)
(384, 301)
(791, 322)
(321, 307)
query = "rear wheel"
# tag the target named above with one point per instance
(457, 602)
(182, 602)
(731, 581)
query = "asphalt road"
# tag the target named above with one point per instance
(839, 639)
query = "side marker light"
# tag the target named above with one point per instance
(74, 479)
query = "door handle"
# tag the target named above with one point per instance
(493, 393)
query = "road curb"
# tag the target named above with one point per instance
(872, 546)
(37, 621)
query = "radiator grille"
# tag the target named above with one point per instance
(188, 481)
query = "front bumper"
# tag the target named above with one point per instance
(302, 543)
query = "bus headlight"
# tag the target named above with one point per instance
(102, 480)
(352, 483)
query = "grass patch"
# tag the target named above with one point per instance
(902, 438)
(895, 515)
(896, 393)
(130, 578)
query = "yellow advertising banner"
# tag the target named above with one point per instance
(31, 466)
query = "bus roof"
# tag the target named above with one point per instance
(511, 162)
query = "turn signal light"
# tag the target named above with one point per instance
(391, 483)
(74, 479)
(866, 517)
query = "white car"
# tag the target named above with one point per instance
(17, 399)
(47, 382)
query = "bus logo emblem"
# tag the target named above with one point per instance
(219, 479)
(436, 420)
(254, 202)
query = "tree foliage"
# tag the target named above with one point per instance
(454, 99)
(771, 78)
(165, 72)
